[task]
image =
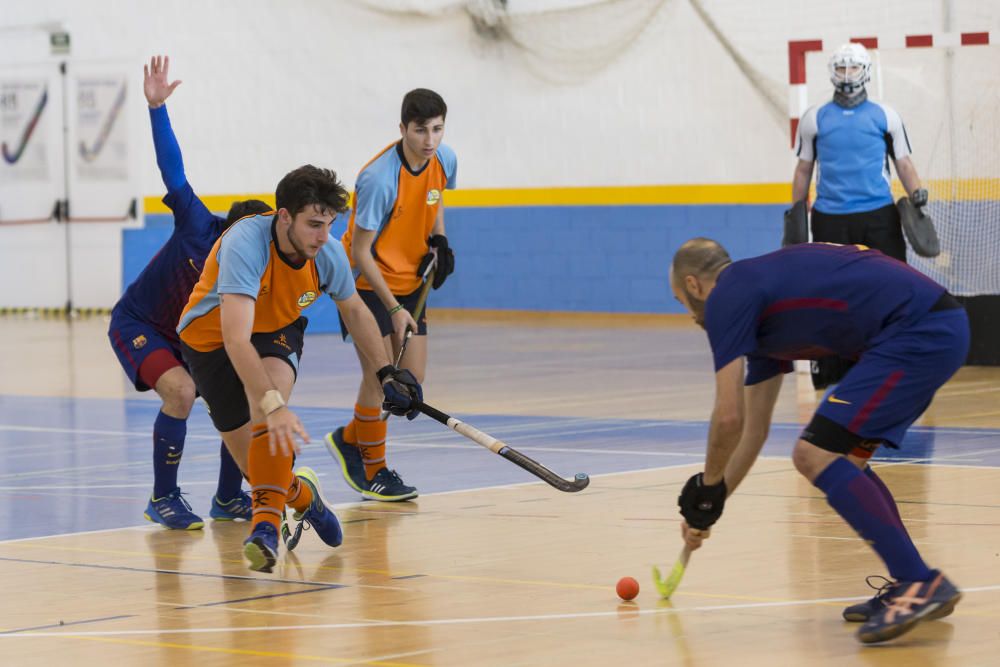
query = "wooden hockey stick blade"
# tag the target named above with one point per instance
(579, 482)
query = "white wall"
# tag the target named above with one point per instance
(270, 85)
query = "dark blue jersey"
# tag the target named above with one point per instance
(160, 292)
(810, 301)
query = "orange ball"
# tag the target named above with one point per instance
(627, 588)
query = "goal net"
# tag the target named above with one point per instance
(949, 100)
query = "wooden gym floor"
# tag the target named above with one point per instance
(487, 566)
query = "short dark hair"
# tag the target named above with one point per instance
(700, 257)
(311, 186)
(420, 105)
(247, 207)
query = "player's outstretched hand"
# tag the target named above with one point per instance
(693, 537)
(282, 427)
(402, 391)
(701, 504)
(155, 81)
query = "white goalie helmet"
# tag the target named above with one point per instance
(850, 68)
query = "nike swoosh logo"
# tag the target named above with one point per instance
(171, 455)
(191, 262)
(834, 399)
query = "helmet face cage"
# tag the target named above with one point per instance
(845, 58)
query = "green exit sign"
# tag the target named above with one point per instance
(59, 41)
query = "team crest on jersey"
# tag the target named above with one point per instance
(139, 342)
(307, 298)
(433, 196)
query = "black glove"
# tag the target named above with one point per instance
(446, 259)
(701, 505)
(919, 198)
(402, 391)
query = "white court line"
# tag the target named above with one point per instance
(146, 526)
(84, 431)
(459, 621)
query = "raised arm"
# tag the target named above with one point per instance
(158, 88)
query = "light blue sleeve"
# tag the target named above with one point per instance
(450, 163)
(375, 195)
(243, 256)
(335, 276)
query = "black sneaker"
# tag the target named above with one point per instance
(349, 457)
(388, 487)
(910, 603)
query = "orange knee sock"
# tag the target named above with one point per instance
(370, 431)
(270, 477)
(299, 495)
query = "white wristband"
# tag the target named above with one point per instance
(272, 401)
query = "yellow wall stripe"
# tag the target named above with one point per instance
(972, 189)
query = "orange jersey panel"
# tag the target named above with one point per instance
(283, 291)
(401, 207)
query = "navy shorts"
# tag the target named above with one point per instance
(133, 341)
(381, 313)
(221, 387)
(892, 384)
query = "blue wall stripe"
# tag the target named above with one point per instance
(611, 259)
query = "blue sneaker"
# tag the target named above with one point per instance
(173, 511)
(317, 515)
(240, 507)
(261, 548)
(349, 458)
(862, 611)
(909, 603)
(388, 486)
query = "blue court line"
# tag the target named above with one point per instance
(428, 455)
(61, 624)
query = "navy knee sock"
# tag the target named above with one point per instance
(168, 445)
(886, 494)
(230, 477)
(861, 503)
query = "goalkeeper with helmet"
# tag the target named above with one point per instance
(853, 139)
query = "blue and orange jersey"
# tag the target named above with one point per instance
(247, 260)
(158, 295)
(400, 205)
(811, 301)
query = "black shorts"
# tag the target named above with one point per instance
(221, 387)
(381, 313)
(879, 229)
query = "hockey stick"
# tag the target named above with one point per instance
(418, 310)
(667, 586)
(579, 483)
(428, 278)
